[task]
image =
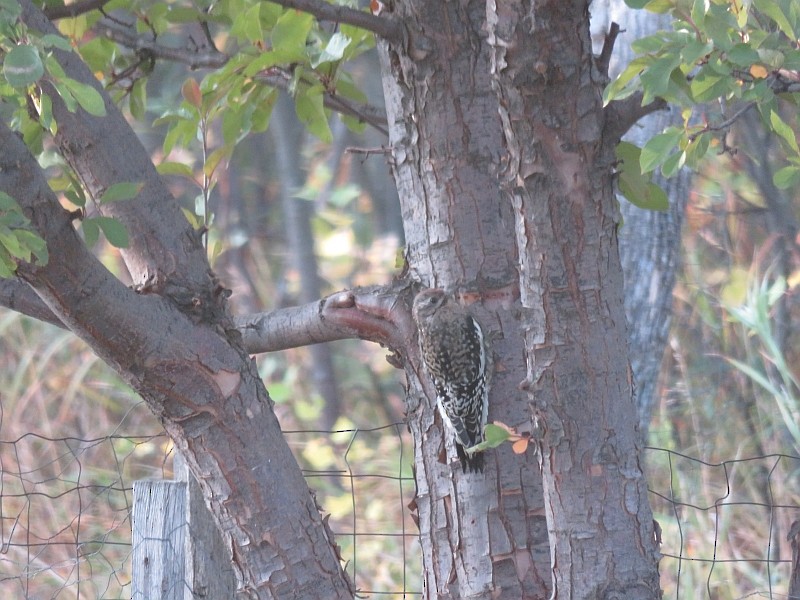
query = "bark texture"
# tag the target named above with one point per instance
(504, 174)
(481, 534)
(557, 174)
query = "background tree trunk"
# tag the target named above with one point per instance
(649, 241)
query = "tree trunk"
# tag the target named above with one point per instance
(504, 165)
(172, 340)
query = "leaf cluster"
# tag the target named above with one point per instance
(721, 59)
(18, 241)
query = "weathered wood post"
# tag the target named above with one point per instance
(178, 553)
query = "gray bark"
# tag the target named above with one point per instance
(506, 192)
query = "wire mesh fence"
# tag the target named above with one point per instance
(65, 507)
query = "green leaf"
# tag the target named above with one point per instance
(658, 148)
(290, 34)
(787, 177)
(780, 127)
(780, 12)
(655, 78)
(743, 55)
(193, 219)
(618, 89)
(121, 191)
(11, 243)
(311, 112)
(137, 100)
(495, 435)
(660, 6)
(673, 163)
(115, 232)
(7, 203)
(8, 265)
(334, 50)
(88, 98)
(66, 96)
(709, 86)
(33, 242)
(175, 168)
(697, 148)
(52, 40)
(635, 186)
(91, 231)
(23, 66)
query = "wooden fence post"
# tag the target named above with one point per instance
(159, 533)
(794, 578)
(178, 553)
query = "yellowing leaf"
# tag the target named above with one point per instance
(191, 92)
(758, 71)
(520, 446)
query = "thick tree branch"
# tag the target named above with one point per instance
(388, 29)
(620, 115)
(604, 59)
(164, 252)
(73, 10)
(379, 314)
(204, 389)
(20, 297)
(74, 285)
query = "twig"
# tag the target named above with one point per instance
(388, 29)
(130, 39)
(214, 59)
(724, 124)
(280, 78)
(608, 47)
(368, 151)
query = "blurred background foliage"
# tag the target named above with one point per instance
(293, 216)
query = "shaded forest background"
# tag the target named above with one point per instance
(295, 219)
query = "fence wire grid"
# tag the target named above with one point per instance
(65, 506)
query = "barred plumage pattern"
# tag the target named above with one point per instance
(454, 354)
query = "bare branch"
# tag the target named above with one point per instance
(608, 47)
(73, 10)
(366, 113)
(128, 37)
(379, 314)
(388, 29)
(213, 59)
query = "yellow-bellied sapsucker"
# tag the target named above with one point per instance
(455, 355)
